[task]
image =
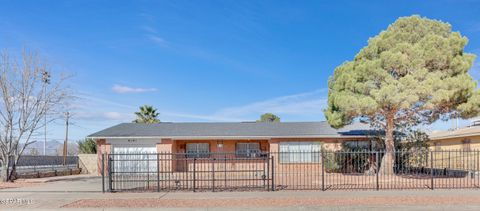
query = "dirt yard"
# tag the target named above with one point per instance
(274, 202)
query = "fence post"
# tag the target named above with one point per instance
(225, 170)
(268, 171)
(148, 172)
(194, 172)
(158, 172)
(377, 169)
(431, 169)
(109, 166)
(213, 175)
(103, 173)
(323, 170)
(449, 162)
(273, 173)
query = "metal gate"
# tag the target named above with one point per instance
(182, 171)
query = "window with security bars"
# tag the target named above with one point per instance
(247, 150)
(300, 152)
(358, 145)
(198, 150)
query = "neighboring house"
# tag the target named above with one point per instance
(242, 139)
(467, 138)
(457, 149)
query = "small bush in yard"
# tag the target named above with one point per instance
(330, 162)
(87, 146)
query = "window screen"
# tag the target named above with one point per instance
(300, 152)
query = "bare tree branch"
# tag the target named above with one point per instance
(26, 99)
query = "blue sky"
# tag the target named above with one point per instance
(207, 60)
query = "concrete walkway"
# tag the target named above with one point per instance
(57, 194)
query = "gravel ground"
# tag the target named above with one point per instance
(274, 202)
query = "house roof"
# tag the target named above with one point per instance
(232, 130)
(473, 130)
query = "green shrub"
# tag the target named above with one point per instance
(330, 162)
(87, 146)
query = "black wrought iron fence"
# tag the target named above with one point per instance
(302, 170)
(181, 171)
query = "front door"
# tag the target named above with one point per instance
(181, 159)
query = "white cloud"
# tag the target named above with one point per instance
(199, 117)
(126, 89)
(157, 40)
(99, 109)
(307, 105)
(89, 101)
(303, 104)
(112, 115)
(152, 35)
(149, 29)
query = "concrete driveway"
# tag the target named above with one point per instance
(78, 193)
(52, 194)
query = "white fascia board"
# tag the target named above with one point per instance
(223, 137)
(454, 136)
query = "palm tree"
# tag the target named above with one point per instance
(147, 114)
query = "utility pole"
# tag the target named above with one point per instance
(46, 81)
(65, 143)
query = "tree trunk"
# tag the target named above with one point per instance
(12, 173)
(4, 170)
(388, 159)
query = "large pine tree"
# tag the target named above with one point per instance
(414, 72)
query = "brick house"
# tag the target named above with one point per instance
(458, 148)
(243, 139)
